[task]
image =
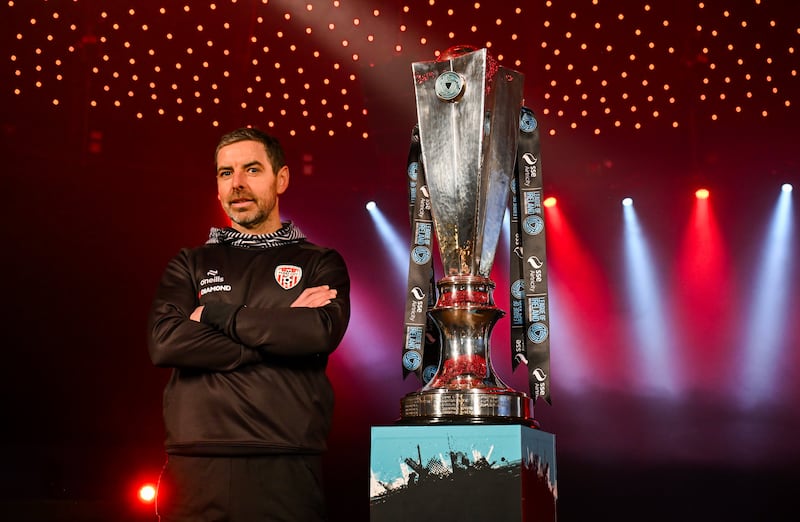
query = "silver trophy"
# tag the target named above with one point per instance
(468, 109)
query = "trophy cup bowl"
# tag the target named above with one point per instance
(468, 111)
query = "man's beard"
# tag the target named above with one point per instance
(248, 220)
(254, 217)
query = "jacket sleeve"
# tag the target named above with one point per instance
(177, 341)
(300, 331)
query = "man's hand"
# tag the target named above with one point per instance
(315, 297)
(196, 314)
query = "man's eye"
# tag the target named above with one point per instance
(252, 170)
(224, 173)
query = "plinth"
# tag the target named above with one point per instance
(441, 473)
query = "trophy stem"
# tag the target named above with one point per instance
(465, 388)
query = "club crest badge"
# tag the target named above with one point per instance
(288, 276)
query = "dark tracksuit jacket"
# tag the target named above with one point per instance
(249, 379)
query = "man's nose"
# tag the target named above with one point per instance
(239, 178)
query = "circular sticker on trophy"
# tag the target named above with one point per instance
(518, 289)
(533, 225)
(413, 169)
(411, 360)
(420, 254)
(527, 121)
(537, 333)
(428, 373)
(449, 86)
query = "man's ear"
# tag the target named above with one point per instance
(283, 179)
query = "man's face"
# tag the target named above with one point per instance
(247, 187)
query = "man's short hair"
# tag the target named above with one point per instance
(271, 145)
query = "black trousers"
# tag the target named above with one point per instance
(272, 488)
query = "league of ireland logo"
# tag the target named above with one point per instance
(527, 122)
(537, 333)
(428, 373)
(411, 360)
(518, 289)
(420, 254)
(413, 170)
(533, 225)
(449, 86)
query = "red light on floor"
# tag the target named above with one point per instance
(550, 202)
(702, 193)
(147, 493)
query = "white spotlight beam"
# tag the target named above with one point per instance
(397, 246)
(649, 319)
(768, 315)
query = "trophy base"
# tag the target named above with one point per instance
(473, 406)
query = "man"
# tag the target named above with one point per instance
(247, 322)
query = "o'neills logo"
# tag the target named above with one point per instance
(210, 280)
(213, 283)
(288, 276)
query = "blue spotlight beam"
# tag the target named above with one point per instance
(397, 246)
(768, 315)
(650, 320)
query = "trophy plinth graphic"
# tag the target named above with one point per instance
(468, 110)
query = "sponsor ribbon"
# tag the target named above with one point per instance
(530, 313)
(420, 332)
